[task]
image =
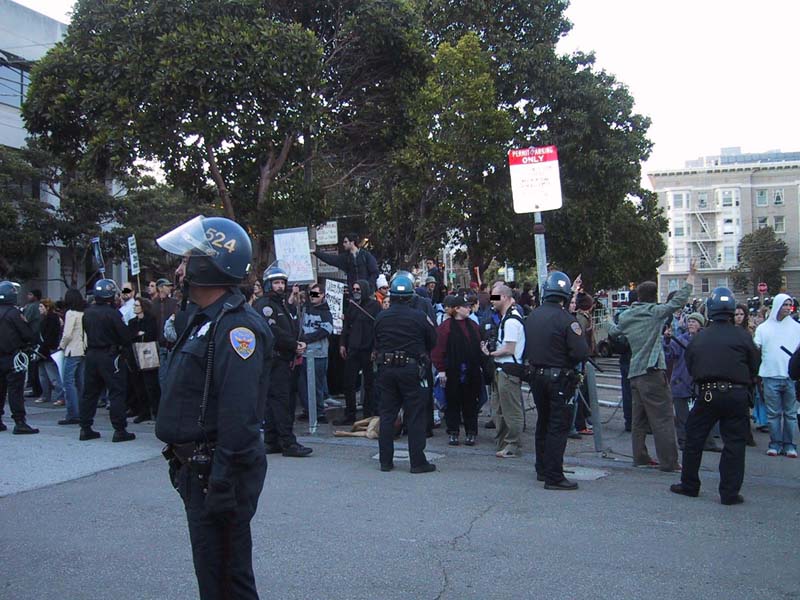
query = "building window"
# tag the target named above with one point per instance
(678, 199)
(702, 200)
(680, 256)
(14, 83)
(673, 284)
(780, 224)
(763, 222)
(704, 286)
(729, 254)
(761, 198)
(778, 196)
(727, 227)
(722, 282)
(727, 198)
(679, 229)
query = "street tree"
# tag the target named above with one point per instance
(761, 255)
(277, 104)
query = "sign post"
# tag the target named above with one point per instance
(536, 187)
(763, 288)
(133, 255)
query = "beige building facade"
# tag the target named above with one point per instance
(713, 202)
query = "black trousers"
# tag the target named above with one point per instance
(399, 387)
(104, 370)
(462, 402)
(12, 384)
(358, 360)
(222, 547)
(280, 406)
(146, 392)
(33, 378)
(731, 410)
(552, 425)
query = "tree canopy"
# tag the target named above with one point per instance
(395, 113)
(761, 255)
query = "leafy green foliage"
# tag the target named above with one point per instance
(761, 256)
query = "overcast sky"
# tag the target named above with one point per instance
(709, 73)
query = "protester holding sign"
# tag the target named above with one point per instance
(356, 262)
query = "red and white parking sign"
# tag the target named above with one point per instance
(535, 180)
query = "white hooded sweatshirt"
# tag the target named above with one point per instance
(771, 335)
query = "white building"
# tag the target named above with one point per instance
(714, 201)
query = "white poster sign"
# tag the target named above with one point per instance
(328, 234)
(133, 253)
(292, 250)
(535, 179)
(334, 295)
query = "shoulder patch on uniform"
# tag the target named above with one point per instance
(243, 341)
(267, 311)
(576, 328)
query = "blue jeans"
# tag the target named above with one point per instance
(50, 378)
(759, 410)
(320, 380)
(73, 384)
(781, 402)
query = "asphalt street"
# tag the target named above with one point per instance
(97, 520)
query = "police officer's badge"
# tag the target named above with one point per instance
(243, 341)
(267, 311)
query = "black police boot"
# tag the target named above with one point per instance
(737, 499)
(678, 488)
(142, 418)
(273, 449)
(388, 467)
(564, 484)
(122, 435)
(453, 441)
(540, 477)
(490, 425)
(22, 428)
(87, 433)
(3, 426)
(69, 422)
(470, 439)
(297, 451)
(426, 468)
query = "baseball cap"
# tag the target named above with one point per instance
(163, 281)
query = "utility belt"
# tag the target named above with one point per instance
(709, 387)
(397, 359)
(555, 373)
(196, 455)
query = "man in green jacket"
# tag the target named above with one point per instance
(642, 325)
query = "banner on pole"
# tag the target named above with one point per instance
(133, 253)
(292, 250)
(535, 179)
(98, 255)
(334, 295)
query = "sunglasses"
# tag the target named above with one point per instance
(494, 297)
(314, 294)
(356, 289)
(126, 290)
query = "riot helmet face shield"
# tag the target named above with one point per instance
(188, 240)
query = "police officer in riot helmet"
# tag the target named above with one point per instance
(282, 320)
(212, 402)
(15, 334)
(554, 347)
(723, 362)
(104, 368)
(404, 336)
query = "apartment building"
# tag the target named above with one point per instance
(715, 200)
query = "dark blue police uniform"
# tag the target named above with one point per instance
(403, 337)
(104, 367)
(554, 346)
(15, 334)
(220, 499)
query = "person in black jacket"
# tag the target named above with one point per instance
(356, 346)
(106, 337)
(15, 334)
(143, 327)
(554, 346)
(49, 336)
(356, 262)
(723, 362)
(282, 320)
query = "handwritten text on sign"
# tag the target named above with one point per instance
(291, 249)
(535, 180)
